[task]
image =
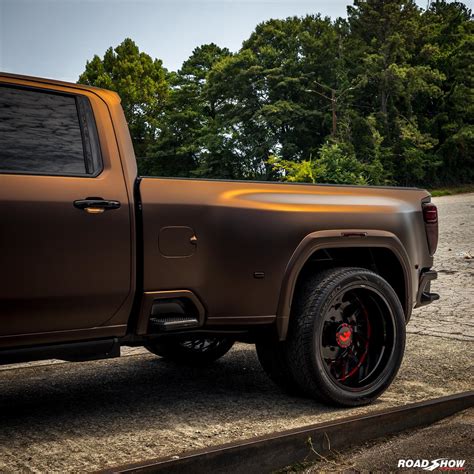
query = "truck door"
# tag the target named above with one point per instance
(65, 245)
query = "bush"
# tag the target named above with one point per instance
(336, 164)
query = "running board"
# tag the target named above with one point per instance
(172, 314)
(172, 322)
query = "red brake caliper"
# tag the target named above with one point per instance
(366, 349)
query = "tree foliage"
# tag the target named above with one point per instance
(140, 82)
(396, 80)
(189, 142)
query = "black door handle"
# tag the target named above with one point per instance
(96, 205)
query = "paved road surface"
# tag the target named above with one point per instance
(452, 315)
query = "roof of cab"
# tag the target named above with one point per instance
(105, 94)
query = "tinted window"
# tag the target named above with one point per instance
(40, 132)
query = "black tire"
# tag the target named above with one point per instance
(356, 314)
(195, 352)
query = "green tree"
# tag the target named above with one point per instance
(188, 142)
(267, 92)
(140, 82)
(448, 45)
(397, 79)
(387, 38)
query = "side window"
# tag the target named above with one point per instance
(47, 133)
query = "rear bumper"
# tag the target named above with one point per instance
(424, 295)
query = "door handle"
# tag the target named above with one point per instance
(96, 205)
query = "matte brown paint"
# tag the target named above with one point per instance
(65, 274)
(68, 275)
(244, 228)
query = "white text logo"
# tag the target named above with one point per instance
(443, 464)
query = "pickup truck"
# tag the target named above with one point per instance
(321, 278)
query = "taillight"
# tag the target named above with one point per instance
(430, 213)
(430, 216)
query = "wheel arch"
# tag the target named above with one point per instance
(354, 240)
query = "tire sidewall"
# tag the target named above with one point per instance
(333, 390)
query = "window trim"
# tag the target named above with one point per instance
(91, 148)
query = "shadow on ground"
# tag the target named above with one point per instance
(138, 391)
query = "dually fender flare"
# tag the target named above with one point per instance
(340, 238)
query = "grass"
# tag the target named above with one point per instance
(449, 191)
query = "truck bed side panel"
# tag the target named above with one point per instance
(243, 229)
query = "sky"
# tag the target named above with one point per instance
(55, 38)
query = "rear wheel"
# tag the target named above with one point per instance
(346, 337)
(198, 351)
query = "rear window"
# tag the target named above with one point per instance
(46, 133)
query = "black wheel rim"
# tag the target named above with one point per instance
(202, 344)
(357, 338)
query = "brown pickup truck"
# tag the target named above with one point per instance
(321, 278)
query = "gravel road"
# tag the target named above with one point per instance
(452, 315)
(81, 417)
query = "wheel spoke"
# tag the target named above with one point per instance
(351, 351)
